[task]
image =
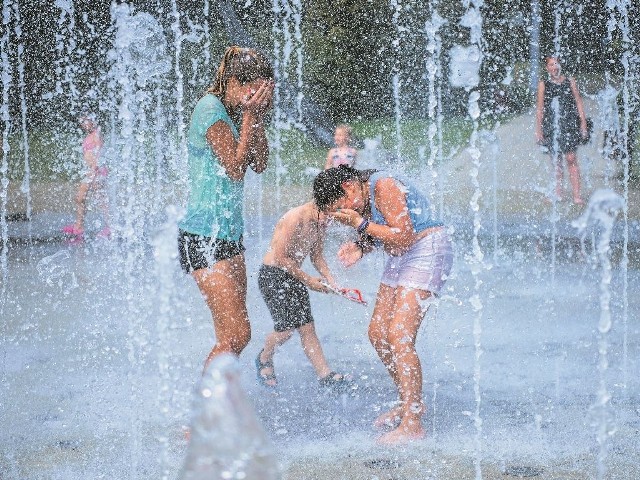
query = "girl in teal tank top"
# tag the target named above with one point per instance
(226, 136)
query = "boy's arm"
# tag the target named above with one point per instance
(283, 237)
(314, 283)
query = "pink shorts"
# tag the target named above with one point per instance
(425, 266)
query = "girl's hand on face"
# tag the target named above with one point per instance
(349, 254)
(347, 216)
(259, 101)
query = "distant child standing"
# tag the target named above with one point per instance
(299, 233)
(561, 124)
(343, 153)
(93, 180)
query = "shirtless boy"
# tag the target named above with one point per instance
(283, 284)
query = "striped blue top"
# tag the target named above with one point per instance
(417, 203)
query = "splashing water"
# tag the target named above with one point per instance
(602, 210)
(4, 166)
(227, 440)
(57, 270)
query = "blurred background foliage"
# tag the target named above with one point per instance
(351, 51)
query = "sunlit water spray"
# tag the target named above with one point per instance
(470, 78)
(4, 167)
(296, 13)
(126, 139)
(279, 71)
(396, 81)
(66, 69)
(178, 39)
(165, 247)
(57, 270)
(630, 87)
(227, 440)
(433, 67)
(602, 210)
(139, 61)
(26, 180)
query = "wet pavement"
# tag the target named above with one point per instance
(101, 350)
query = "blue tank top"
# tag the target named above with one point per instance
(215, 200)
(417, 203)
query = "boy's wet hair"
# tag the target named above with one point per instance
(327, 186)
(245, 64)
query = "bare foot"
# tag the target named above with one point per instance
(390, 419)
(578, 201)
(403, 434)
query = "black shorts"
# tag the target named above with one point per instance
(286, 297)
(198, 251)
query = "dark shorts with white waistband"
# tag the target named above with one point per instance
(286, 297)
(198, 251)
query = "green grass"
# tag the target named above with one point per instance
(51, 155)
(56, 155)
(297, 154)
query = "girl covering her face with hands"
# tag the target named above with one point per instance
(226, 136)
(391, 213)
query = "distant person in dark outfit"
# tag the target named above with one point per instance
(561, 124)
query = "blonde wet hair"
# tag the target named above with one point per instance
(346, 128)
(245, 64)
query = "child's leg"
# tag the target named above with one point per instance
(264, 362)
(273, 341)
(574, 176)
(313, 349)
(402, 335)
(379, 338)
(224, 288)
(557, 162)
(81, 198)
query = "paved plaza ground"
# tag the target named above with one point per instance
(103, 342)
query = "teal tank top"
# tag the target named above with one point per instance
(417, 203)
(215, 200)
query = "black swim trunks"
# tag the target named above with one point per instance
(286, 297)
(197, 251)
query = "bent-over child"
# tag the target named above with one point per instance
(284, 286)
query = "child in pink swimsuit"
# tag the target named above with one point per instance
(343, 153)
(94, 176)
